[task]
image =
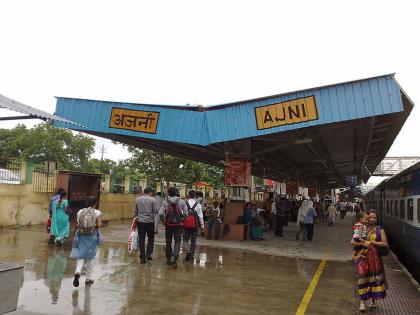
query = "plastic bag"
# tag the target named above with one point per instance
(133, 241)
(133, 238)
(76, 239)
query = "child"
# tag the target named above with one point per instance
(86, 239)
(359, 235)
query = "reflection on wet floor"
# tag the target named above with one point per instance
(218, 281)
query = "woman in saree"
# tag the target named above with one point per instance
(371, 283)
(60, 225)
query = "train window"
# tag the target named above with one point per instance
(402, 209)
(418, 210)
(387, 207)
(396, 208)
(410, 207)
(392, 207)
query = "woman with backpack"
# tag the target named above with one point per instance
(86, 239)
(60, 225)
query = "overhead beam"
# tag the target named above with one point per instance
(20, 117)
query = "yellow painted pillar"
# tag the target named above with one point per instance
(127, 185)
(107, 183)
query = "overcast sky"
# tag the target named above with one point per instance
(204, 52)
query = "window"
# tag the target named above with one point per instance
(402, 209)
(396, 208)
(418, 210)
(410, 212)
(387, 207)
(392, 207)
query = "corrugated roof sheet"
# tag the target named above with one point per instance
(193, 125)
(16, 106)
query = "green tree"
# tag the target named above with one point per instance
(47, 143)
(165, 168)
(106, 166)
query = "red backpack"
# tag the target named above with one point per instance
(190, 221)
(173, 215)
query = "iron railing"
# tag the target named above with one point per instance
(44, 178)
(10, 171)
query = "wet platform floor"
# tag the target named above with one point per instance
(227, 277)
(220, 281)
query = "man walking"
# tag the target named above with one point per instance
(215, 218)
(172, 212)
(192, 221)
(159, 201)
(281, 205)
(145, 210)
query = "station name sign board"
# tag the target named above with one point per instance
(286, 113)
(135, 120)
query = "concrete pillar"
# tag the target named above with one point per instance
(22, 172)
(107, 183)
(127, 184)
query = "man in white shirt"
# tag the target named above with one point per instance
(191, 224)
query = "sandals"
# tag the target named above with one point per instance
(372, 304)
(76, 280)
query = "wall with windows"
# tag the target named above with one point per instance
(406, 209)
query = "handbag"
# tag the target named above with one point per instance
(48, 228)
(382, 251)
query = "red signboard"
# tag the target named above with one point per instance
(292, 187)
(268, 182)
(238, 173)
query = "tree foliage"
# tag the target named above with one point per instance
(166, 168)
(47, 143)
(73, 150)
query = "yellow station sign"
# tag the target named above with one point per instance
(135, 120)
(286, 113)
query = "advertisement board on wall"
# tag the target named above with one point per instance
(292, 187)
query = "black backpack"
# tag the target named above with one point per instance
(173, 216)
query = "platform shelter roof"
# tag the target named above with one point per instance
(318, 135)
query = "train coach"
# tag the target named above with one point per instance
(397, 201)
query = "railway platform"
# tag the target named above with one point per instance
(275, 276)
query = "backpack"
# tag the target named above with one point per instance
(87, 221)
(173, 214)
(190, 221)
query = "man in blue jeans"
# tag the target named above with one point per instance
(173, 230)
(145, 211)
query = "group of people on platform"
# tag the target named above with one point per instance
(280, 211)
(86, 237)
(183, 220)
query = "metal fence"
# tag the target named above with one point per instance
(43, 179)
(10, 171)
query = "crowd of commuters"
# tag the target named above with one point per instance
(184, 220)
